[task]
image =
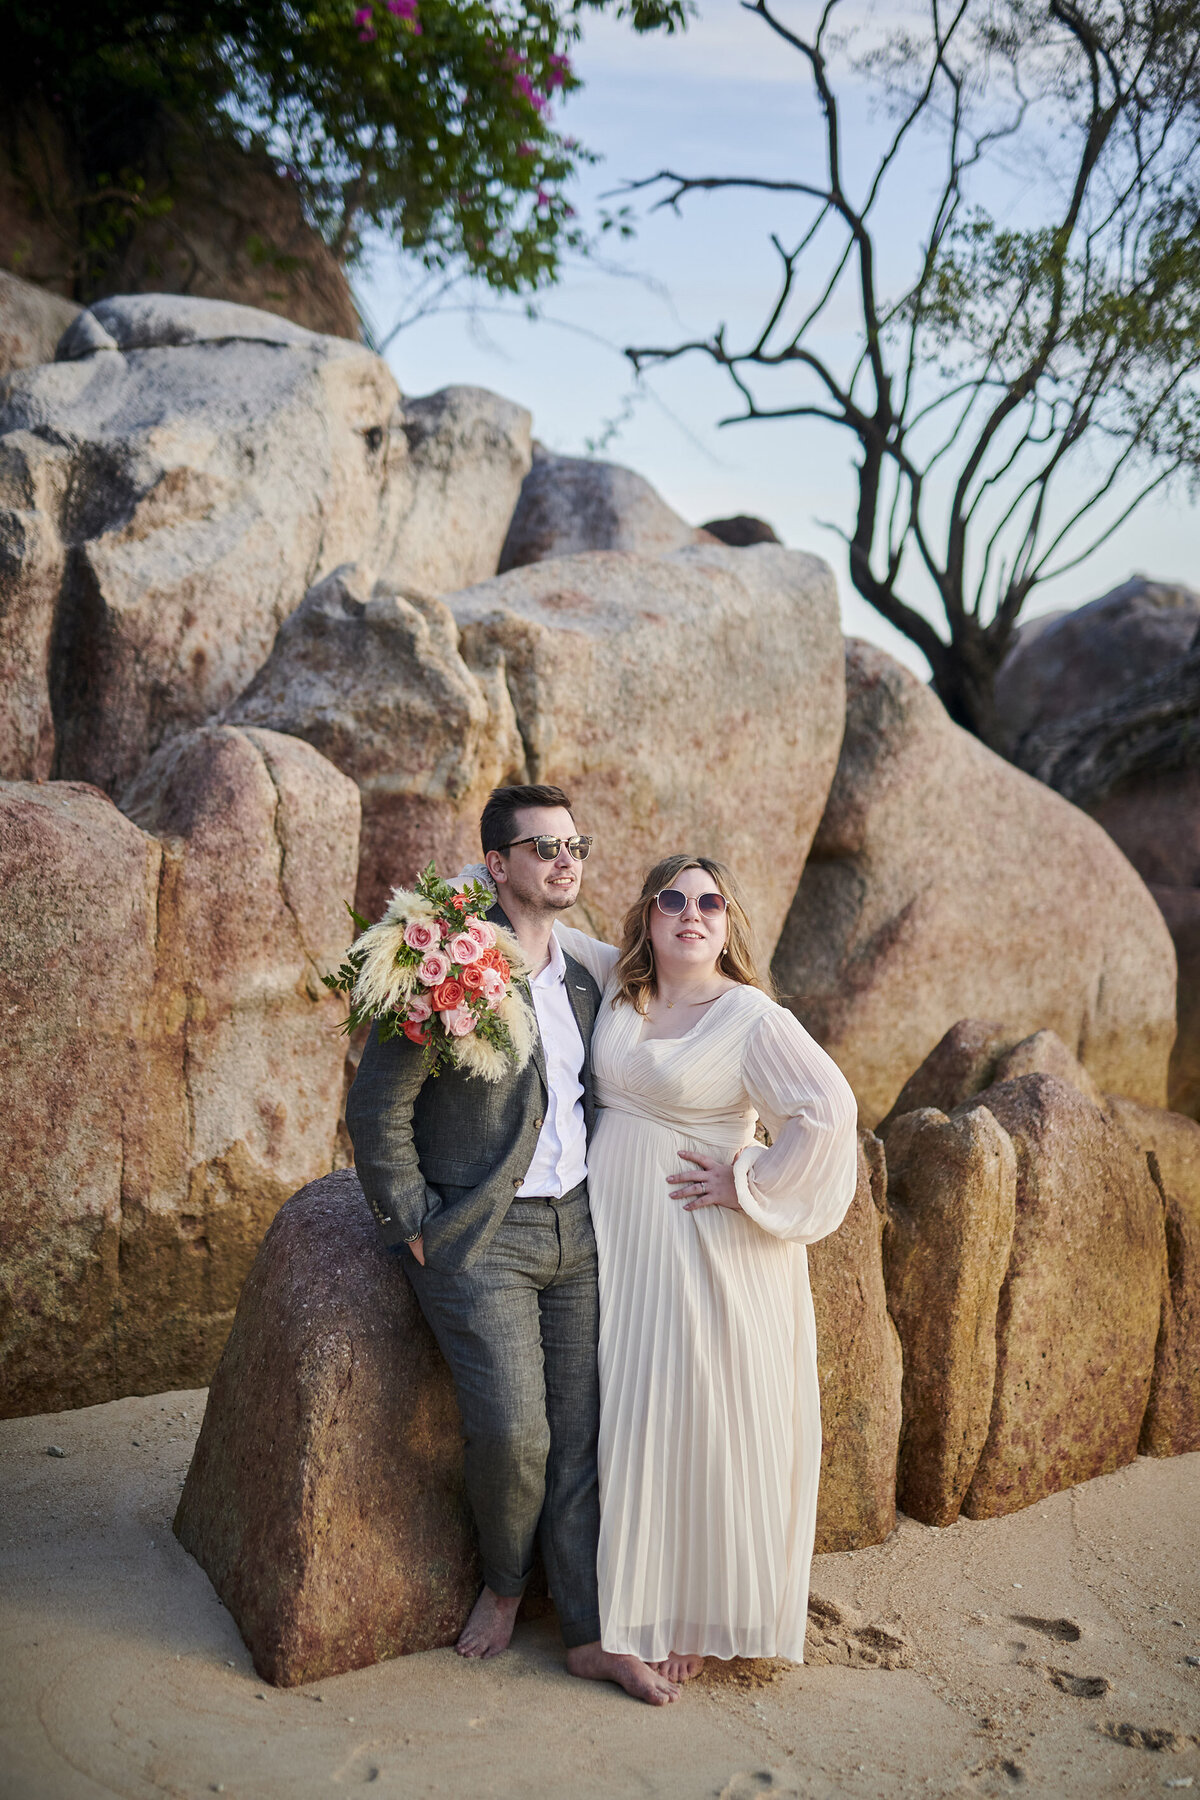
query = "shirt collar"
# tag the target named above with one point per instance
(556, 968)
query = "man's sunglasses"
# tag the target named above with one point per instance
(549, 847)
(673, 901)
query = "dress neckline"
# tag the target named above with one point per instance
(642, 1042)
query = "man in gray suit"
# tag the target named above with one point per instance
(481, 1189)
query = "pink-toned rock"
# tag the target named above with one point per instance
(1181, 910)
(172, 484)
(573, 503)
(974, 1054)
(175, 1068)
(943, 883)
(1172, 1423)
(952, 1186)
(325, 1499)
(1078, 1315)
(1156, 821)
(858, 1366)
(373, 678)
(690, 701)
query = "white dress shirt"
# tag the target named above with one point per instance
(560, 1156)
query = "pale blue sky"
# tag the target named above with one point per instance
(722, 98)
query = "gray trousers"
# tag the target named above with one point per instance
(519, 1331)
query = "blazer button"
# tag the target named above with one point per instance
(538, 1123)
(516, 1183)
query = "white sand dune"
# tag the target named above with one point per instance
(122, 1674)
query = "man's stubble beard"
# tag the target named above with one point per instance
(542, 900)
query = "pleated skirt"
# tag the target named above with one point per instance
(710, 1433)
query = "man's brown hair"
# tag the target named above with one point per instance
(497, 824)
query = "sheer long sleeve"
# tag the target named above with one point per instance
(801, 1186)
(598, 959)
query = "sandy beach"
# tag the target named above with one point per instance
(1036, 1644)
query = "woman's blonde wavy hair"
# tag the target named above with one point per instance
(635, 969)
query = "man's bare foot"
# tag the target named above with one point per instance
(637, 1678)
(679, 1668)
(490, 1626)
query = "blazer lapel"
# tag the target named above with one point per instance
(498, 916)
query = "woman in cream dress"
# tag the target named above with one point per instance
(710, 1431)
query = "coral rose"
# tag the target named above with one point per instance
(415, 1033)
(423, 934)
(434, 968)
(448, 996)
(459, 1020)
(458, 902)
(462, 948)
(473, 977)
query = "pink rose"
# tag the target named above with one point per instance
(460, 1022)
(492, 987)
(423, 934)
(483, 933)
(419, 1008)
(434, 969)
(462, 948)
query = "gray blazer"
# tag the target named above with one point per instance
(443, 1155)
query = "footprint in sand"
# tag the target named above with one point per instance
(838, 1634)
(750, 1784)
(1081, 1687)
(1063, 1631)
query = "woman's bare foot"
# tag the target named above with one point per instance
(488, 1630)
(629, 1672)
(680, 1668)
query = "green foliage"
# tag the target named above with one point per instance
(429, 120)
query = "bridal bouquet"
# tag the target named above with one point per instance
(434, 970)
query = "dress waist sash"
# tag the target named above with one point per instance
(729, 1132)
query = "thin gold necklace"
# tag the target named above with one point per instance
(671, 1004)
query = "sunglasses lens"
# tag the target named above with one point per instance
(711, 903)
(671, 902)
(580, 848)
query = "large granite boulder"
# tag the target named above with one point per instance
(1141, 783)
(171, 486)
(952, 1185)
(944, 883)
(573, 503)
(975, 1054)
(686, 702)
(1068, 662)
(373, 678)
(325, 1500)
(173, 1066)
(1078, 1314)
(1155, 818)
(1172, 1423)
(32, 320)
(858, 1367)
(690, 701)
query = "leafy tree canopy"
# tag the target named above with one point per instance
(429, 120)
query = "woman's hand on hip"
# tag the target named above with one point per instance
(710, 1183)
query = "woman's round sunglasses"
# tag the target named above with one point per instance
(673, 901)
(549, 847)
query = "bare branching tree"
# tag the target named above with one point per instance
(1018, 389)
